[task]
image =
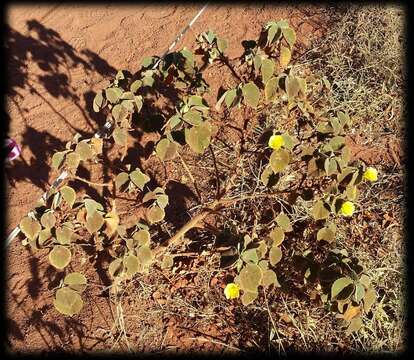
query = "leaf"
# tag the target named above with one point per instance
(275, 255)
(292, 86)
(72, 161)
(131, 264)
(221, 44)
(69, 195)
(135, 85)
(359, 292)
(84, 150)
(337, 142)
(229, 97)
(279, 160)
(285, 56)
(121, 179)
(290, 36)
(64, 235)
(269, 278)
(248, 297)
(330, 166)
(290, 141)
(94, 222)
(166, 150)
(354, 325)
(250, 277)
(251, 94)
(112, 222)
(369, 299)
(30, 227)
(271, 89)
(167, 262)
(139, 178)
(257, 62)
(250, 256)
(142, 237)
(48, 220)
(271, 32)
(120, 136)
(60, 257)
(98, 101)
(277, 235)
(351, 312)
(198, 137)
(193, 117)
(115, 268)
(162, 200)
(119, 112)
(284, 222)
(155, 214)
(339, 285)
(68, 302)
(320, 211)
(76, 281)
(267, 69)
(144, 255)
(91, 206)
(44, 234)
(326, 234)
(113, 94)
(57, 159)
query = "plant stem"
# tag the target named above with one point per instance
(191, 177)
(90, 182)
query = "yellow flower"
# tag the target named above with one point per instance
(371, 174)
(232, 291)
(276, 142)
(347, 208)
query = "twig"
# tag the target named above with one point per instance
(90, 182)
(191, 177)
(217, 173)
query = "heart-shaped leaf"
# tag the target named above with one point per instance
(279, 160)
(284, 222)
(76, 281)
(166, 150)
(48, 220)
(139, 178)
(271, 89)
(251, 94)
(64, 235)
(267, 69)
(94, 222)
(155, 214)
(60, 257)
(68, 302)
(250, 277)
(30, 227)
(69, 195)
(339, 285)
(275, 255)
(285, 56)
(277, 235)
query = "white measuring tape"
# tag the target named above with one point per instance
(107, 126)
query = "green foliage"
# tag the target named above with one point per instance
(318, 152)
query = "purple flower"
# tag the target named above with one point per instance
(12, 149)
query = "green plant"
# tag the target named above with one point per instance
(315, 161)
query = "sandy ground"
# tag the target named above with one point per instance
(58, 56)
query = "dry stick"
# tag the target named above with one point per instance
(90, 182)
(217, 172)
(191, 177)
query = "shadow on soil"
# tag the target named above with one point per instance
(44, 47)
